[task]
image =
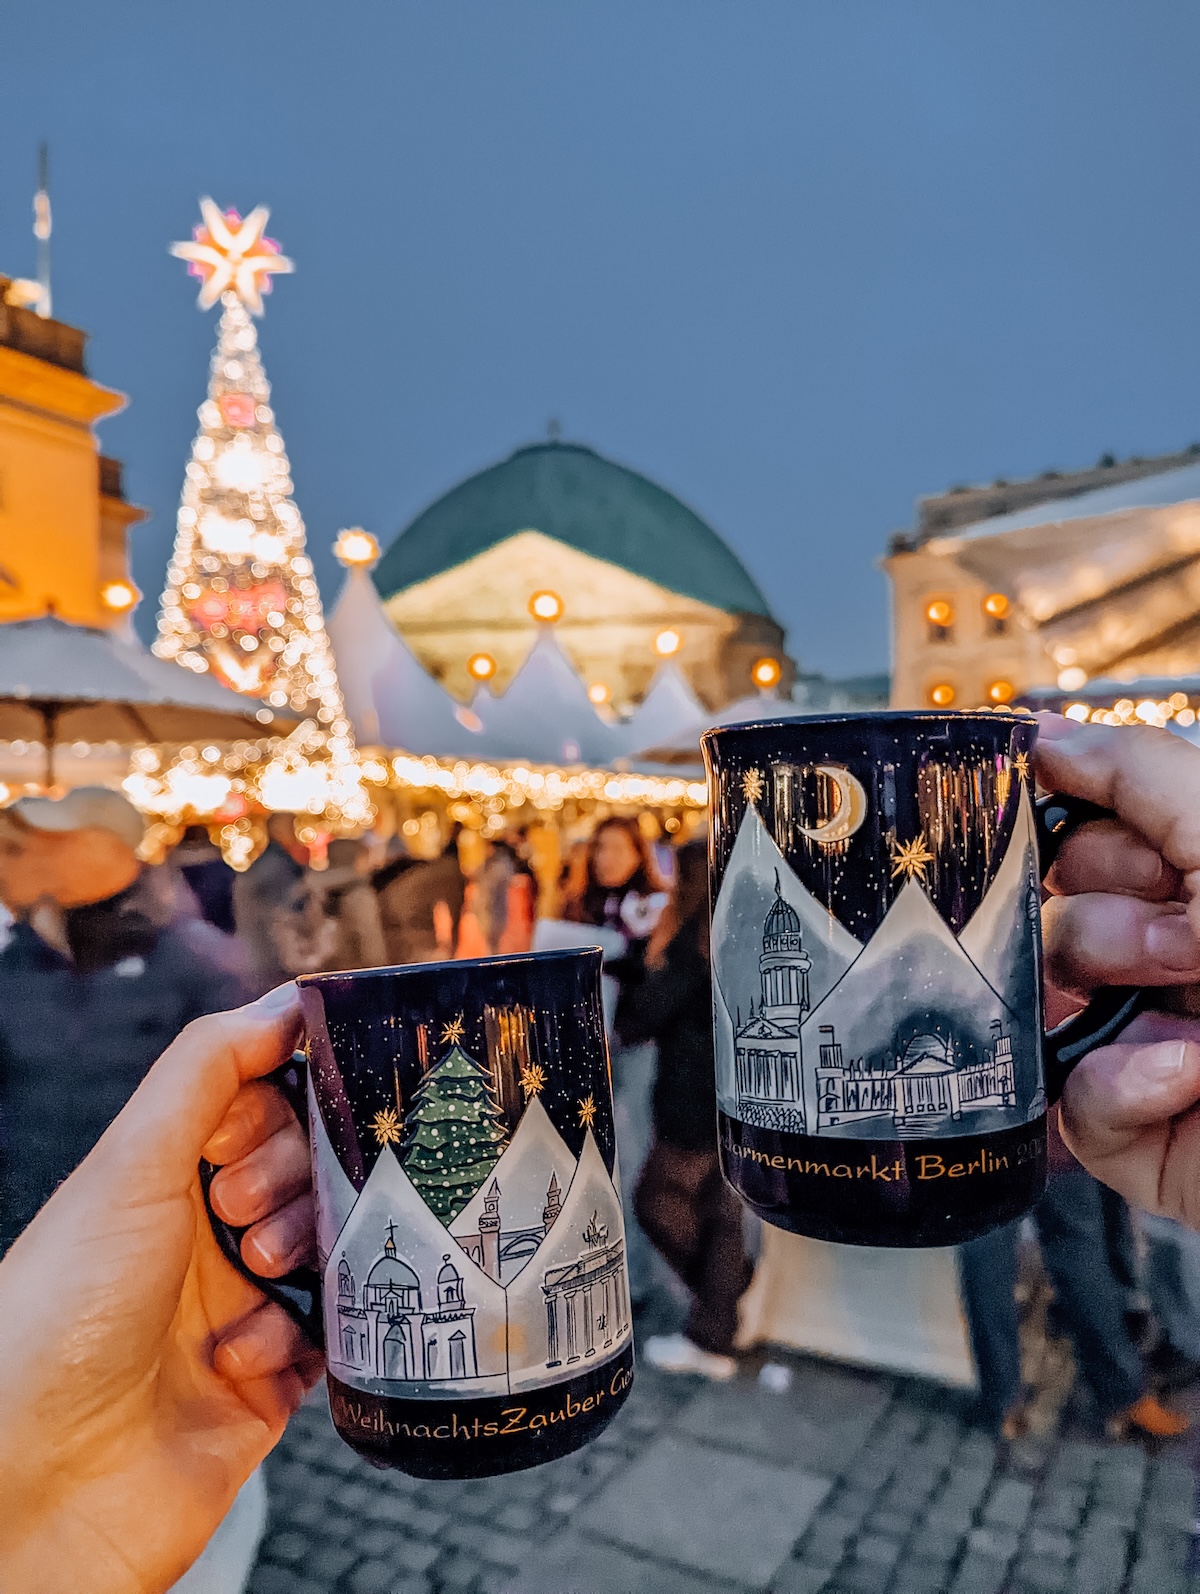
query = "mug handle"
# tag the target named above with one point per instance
(1112, 1007)
(298, 1292)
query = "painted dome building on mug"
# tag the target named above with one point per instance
(629, 572)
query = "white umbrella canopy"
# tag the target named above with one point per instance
(66, 683)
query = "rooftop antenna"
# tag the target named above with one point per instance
(41, 229)
(553, 429)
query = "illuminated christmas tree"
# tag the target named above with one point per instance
(241, 599)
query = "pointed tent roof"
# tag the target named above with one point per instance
(684, 746)
(545, 716)
(390, 697)
(669, 709)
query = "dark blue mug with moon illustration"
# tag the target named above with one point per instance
(876, 955)
(473, 1292)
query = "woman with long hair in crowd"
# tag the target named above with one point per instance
(682, 1202)
(617, 885)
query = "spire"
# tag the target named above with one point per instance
(778, 887)
(41, 230)
(389, 1245)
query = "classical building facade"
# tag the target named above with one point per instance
(637, 574)
(1049, 583)
(63, 514)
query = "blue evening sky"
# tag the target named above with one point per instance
(800, 262)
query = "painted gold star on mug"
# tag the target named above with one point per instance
(454, 1031)
(385, 1126)
(587, 1111)
(533, 1080)
(752, 785)
(911, 859)
(1021, 765)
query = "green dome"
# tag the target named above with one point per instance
(571, 493)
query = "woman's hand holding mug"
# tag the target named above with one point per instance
(141, 1378)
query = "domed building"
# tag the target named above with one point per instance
(558, 532)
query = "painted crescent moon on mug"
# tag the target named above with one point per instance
(851, 807)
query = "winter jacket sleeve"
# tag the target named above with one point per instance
(653, 1001)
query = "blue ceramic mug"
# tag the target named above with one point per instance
(473, 1294)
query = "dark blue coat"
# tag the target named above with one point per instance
(77, 1035)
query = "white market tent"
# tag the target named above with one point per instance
(683, 748)
(390, 698)
(544, 717)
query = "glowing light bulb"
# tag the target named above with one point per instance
(119, 596)
(1072, 678)
(546, 606)
(356, 547)
(939, 612)
(765, 673)
(942, 694)
(1001, 692)
(598, 693)
(996, 606)
(667, 642)
(481, 666)
(1077, 711)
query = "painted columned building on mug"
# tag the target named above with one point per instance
(918, 1082)
(587, 1309)
(769, 1053)
(392, 1334)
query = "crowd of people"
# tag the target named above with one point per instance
(181, 1377)
(106, 960)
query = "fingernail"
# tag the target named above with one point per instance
(1172, 942)
(282, 996)
(1149, 1064)
(232, 1357)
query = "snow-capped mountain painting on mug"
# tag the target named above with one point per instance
(876, 973)
(469, 1227)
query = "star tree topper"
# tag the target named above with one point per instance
(230, 255)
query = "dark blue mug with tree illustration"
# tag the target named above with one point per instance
(473, 1294)
(876, 887)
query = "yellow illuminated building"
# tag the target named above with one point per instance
(1052, 583)
(63, 516)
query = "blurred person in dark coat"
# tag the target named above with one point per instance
(350, 902)
(684, 1206)
(415, 928)
(210, 879)
(103, 967)
(264, 901)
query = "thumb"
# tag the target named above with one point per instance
(184, 1098)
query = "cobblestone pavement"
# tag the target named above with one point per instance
(848, 1482)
